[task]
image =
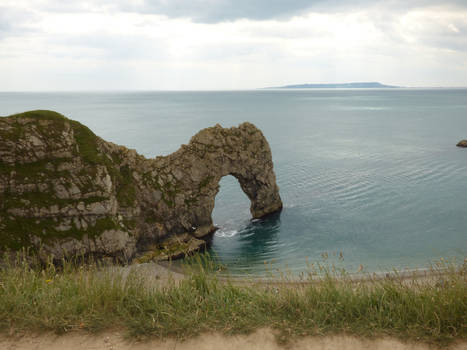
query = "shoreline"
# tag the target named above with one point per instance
(419, 274)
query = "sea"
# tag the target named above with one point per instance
(371, 179)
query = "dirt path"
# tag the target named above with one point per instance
(261, 340)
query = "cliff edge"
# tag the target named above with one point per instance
(68, 192)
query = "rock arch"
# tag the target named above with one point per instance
(211, 154)
(68, 191)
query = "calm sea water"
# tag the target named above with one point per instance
(373, 175)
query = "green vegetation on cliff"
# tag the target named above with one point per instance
(85, 138)
(87, 149)
(40, 175)
(16, 234)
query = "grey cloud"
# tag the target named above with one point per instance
(447, 30)
(239, 52)
(206, 11)
(226, 10)
(214, 11)
(452, 36)
(13, 21)
(112, 47)
(5, 26)
(284, 31)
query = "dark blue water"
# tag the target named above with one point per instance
(373, 175)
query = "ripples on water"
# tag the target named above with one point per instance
(372, 174)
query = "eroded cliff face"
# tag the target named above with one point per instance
(69, 192)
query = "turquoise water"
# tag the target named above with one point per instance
(372, 174)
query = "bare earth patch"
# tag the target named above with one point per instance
(263, 339)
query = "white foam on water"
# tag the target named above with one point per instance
(225, 233)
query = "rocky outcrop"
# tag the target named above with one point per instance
(68, 192)
(462, 143)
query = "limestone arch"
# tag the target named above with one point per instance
(211, 154)
(101, 199)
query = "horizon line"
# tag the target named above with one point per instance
(233, 90)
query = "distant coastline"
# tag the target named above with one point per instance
(359, 85)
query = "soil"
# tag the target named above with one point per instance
(263, 339)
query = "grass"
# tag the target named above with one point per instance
(91, 298)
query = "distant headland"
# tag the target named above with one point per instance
(360, 85)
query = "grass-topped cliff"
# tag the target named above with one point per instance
(52, 169)
(53, 125)
(68, 192)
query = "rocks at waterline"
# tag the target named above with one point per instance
(462, 143)
(68, 192)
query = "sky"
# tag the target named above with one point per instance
(63, 45)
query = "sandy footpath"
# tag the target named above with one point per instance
(260, 340)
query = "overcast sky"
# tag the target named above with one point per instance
(229, 44)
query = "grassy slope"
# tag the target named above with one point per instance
(86, 139)
(90, 299)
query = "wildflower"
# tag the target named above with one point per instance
(48, 281)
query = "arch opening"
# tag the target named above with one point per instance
(231, 210)
(240, 239)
